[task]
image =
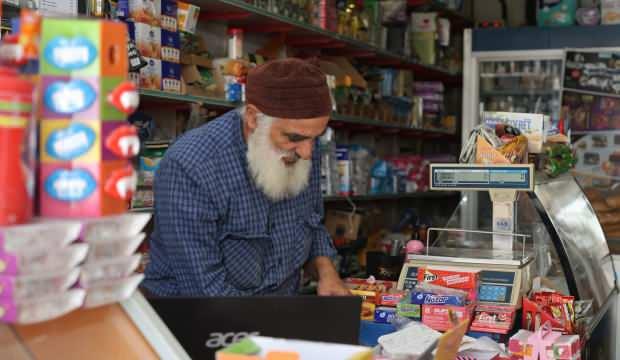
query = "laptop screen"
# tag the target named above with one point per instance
(205, 325)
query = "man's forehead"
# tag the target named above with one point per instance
(310, 127)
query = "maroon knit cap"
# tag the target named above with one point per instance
(289, 88)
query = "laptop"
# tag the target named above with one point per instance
(205, 325)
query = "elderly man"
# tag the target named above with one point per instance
(237, 201)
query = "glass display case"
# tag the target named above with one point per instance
(562, 244)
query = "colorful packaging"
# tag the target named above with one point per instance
(41, 309)
(22, 288)
(534, 126)
(390, 299)
(411, 311)
(566, 347)
(150, 75)
(148, 12)
(148, 39)
(39, 261)
(385, 315)
(556, 12)
(464, 280)
(368, 311)
(518, 343)
(422, 298)
(169, 13)
(187, 17)
(344, 170)
(437, 316)
(111, 291)
(170, 46)
(493, 319)
(17, 151)
(171, 77)
(108, 269)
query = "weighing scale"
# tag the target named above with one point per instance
(505, 275)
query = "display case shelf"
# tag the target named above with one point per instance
(254, 19)
(415, 195)
(520, 92)
(337, 119)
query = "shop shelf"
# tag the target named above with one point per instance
(253, 19)
(520, 92)
(162, 96)
(415, 195)
(428, 5)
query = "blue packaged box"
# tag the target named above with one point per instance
(385, 315)
(170, 46)
(169, 9)
(170, 77)
(423, 298)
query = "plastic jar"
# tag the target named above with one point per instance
(235, 43)
(17, 148)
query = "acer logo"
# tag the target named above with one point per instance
(218, 340)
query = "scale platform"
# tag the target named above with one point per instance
(475, 256)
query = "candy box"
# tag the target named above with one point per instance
(169, 13)
(437, 316)
(170, 77)
(384, 315)
(369, 285)
(367, 296)
(424, 298)
(187, 17)
(464, 280)
(566, 347)
(390, 299)
(83, 48)
(150, 75)
(493, 319)
(148, 39)
(170, 44)
(518, 343)
(411, 311)
(368, 311)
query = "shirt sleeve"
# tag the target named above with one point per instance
(186, 218)
(322, 244)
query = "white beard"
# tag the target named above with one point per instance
(270, 174)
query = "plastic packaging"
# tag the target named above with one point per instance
(588, 16)
(108, 269)
(114, 226)
(41, 261)
(17, 148)
(114, 247)
(235, 43)
(556, 12)
(344, 170)
(610, 12)
(47, 236)
(108, 292)
(23, 288)
(41, 309)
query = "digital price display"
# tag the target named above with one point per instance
(482, 177)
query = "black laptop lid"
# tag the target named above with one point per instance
(205, 325)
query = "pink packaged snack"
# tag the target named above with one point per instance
(114, 226)
(39, 261)
(21, 288)
(436, 316)
(518, 343)
(108, 269)
(114, 247)
(111, 291)
(45, 236)
(41, 309)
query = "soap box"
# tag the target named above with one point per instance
(438, 318)
(147, 38)
(150, 75)
(170, 44)
(169, 15)
(385, 315)
(171, 77)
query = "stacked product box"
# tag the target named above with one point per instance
(325, 14)
(153, 26)
(431, 93)
(85, 141)
(378, 298)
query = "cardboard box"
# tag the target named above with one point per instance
(384, 315)
(169, 13)
(171, 77)
(343, 224)
(463, 280)
(411, 311)
(493, 319)
(147, 39)
(566, 347)
(187, 17)
(437, 316)
(170, 45)
(150, 75)
(148, 12)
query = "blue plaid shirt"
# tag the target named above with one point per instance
(216, 233)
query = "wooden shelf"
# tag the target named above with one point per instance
(416, 195)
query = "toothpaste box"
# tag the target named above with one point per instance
(534, 126)
(170, 45)
(437, 317)
(566, 347)
(463, 280)
(171, 77)
(423, 298)
(493, 319)
(385, 315)
(169, 13)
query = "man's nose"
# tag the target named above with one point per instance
(304, 150)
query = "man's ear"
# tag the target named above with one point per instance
(251, 117)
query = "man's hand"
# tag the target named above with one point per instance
(330, 283)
